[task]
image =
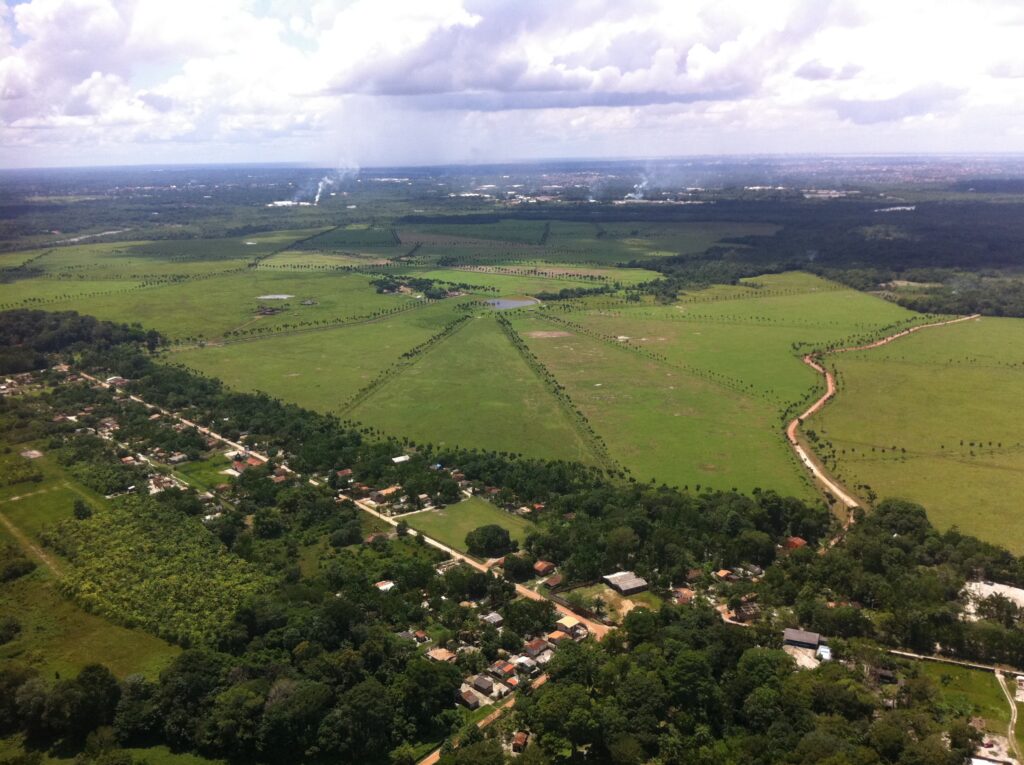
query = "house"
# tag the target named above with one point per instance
(278, 478)
(625, 582)
(554, 581)
(824, 653)
(441, 654)
(467, 698)
(519, 741)
(794, 543)
(407, 635)
(526, 665)
(484, 684)
(346, 473)
(573, 627)
(385, 495)
(543, 567)
(801, 638)
(558, 637)
(400, 459)
(682, 596)
(725, 575)
(502, 670)
(385, 585)
(535, 647)
(252, 461)
(747, 612)
(493, 618)
(420, 636)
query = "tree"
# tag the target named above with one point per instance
(489, 541)
(82, 510)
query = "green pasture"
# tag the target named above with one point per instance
(153, 755)
(53, 294)
(475, 390)
(324, 368)
(451, 524)
(506, 284)
(514, 231)
(213, 306)
(206, 473)
(664, 423)
(352, 235)
(925, 394)
(302, 259)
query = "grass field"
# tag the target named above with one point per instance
(926, 394)
(154, 755)
(451, 524)
(664, 423)
(475, 390)
(322, 369)
(212, 306)
(617, 606)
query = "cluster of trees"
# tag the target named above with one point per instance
(490, 541)
(572, 293)
(26, 336)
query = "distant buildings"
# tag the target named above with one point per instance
(625, 582)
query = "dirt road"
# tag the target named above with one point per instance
(29, 546)
(806, 457)
(596, 629)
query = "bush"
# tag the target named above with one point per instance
(10, 628)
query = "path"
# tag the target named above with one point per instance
(22, 539)
(792, 429)
(1011, 732)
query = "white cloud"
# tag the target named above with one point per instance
(389, 81)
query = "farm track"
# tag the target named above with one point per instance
(806, 455)
(26, 543)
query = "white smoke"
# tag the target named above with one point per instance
(638, 190)
(335, 179)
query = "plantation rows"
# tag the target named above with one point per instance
(156, 569)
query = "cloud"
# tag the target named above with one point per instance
(486, 77)
(926, 99)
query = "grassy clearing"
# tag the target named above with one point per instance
(522, 232)
(204, 474)
(616, 606)
(926, 394)
(970, 692)
(154, 755)
(319, 370)
(506, 283)
(664, 423)
(451, 524)
(475, 390)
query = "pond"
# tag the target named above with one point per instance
(503, 304)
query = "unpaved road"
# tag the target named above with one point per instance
(1012, 730)
(31, 547)
(792, 429)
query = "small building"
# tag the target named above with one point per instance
(386, 495)
(441, 654)
(467, 698)
(400, 459)
(543, 567)
(484, 684)
(519, 741)
(346, 473)
(801, 638)
(493, 618)
(502, 670)
(526, 665)
(554, 581)
(725, 575)
(535, 647)
(747, 612)
(385, 585)
(794, 543)
(824, 653)
(625, 582)
(682, 596)
(558, 637)
(420, 636)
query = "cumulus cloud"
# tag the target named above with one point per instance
(505, 79)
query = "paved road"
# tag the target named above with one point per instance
(792, 429)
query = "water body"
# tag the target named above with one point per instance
(503, 304)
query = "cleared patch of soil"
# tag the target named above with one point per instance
(549, 333)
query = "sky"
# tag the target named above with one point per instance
(389, 82)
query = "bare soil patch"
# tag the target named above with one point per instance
(548, 333)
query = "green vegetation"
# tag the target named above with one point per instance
(475, 390)
(142, 565)
(945, 424)
(969, 693)
(452, 524)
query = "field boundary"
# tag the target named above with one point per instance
(576, 417)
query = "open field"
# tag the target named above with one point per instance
(664, 423)
(475, 390)
(211, 307)
(153, 755)
(945, 405)
(451, 524)
(322, 369)
(616, 606)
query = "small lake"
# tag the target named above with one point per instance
(503, 304)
